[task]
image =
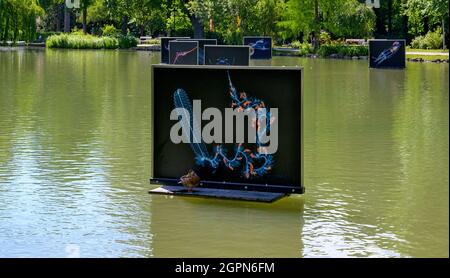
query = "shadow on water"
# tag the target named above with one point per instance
(186, 227)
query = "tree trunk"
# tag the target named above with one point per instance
(405, 27)
(142, 30)
(66, 20)
(58, 17)
(443, 34)
(124, 25)
(84, 20)
(5, 34)
(389, 18)
(426, 25)
(198, 27)
(314, 40)
(195, 21)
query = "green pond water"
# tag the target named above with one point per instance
(75, 161)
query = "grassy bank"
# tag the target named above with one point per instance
(427, 57)
(408, 49)
(81, 41)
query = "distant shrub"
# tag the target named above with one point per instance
(327, 50)
(324, 37)
(304, 48)
(76, 41)
(152, 41)
(76, 31)
(432, 40)
(127, 41)
(110, 31)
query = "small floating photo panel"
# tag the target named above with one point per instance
(387, 54)
(183, 52)
(260, 47)
(227, 55)
(209, 93)
(201, 47)
(165, 47)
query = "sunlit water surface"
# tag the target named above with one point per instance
(75, 160)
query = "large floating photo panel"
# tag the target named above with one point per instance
(209, 141)
(201, 47)
(387, 54)
(260, 47)
(183, 52)
(227, 55)
(165, 47)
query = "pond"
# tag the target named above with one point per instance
(75, 161)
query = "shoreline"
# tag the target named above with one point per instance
(277, 51)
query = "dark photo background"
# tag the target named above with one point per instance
(260, 53)
(201, 47)
(190, 48)
(227, 55)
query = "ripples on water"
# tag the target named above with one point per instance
(75, 161)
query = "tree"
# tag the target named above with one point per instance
(84, 4)
(343, 18)
(436, 12)
(353, 20)
(195, 9)
(120, 10)
(18, 19)
(142, 12)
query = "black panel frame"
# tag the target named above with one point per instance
(225, 48)
(295, 189)
(402, 59)
(258, 38)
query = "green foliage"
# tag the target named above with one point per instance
(324, 37)
(351, 20)
(178, 21)
(432, 40)
(420, 12)
(341, 18)
(110, 31)
(327, 50)
(18, 19)
(304, 48)
(316, 21)
(77, 41)
(127, 41)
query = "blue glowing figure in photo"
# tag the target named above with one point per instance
(260, 47)
(250, 161)
(222, 61)
(387, 53)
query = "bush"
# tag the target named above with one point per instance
(77, 41)
(324, 37)
(304, 48)
(233, 37)
(127, 41)
(327, 50)
(432, 40)
(109, 31)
